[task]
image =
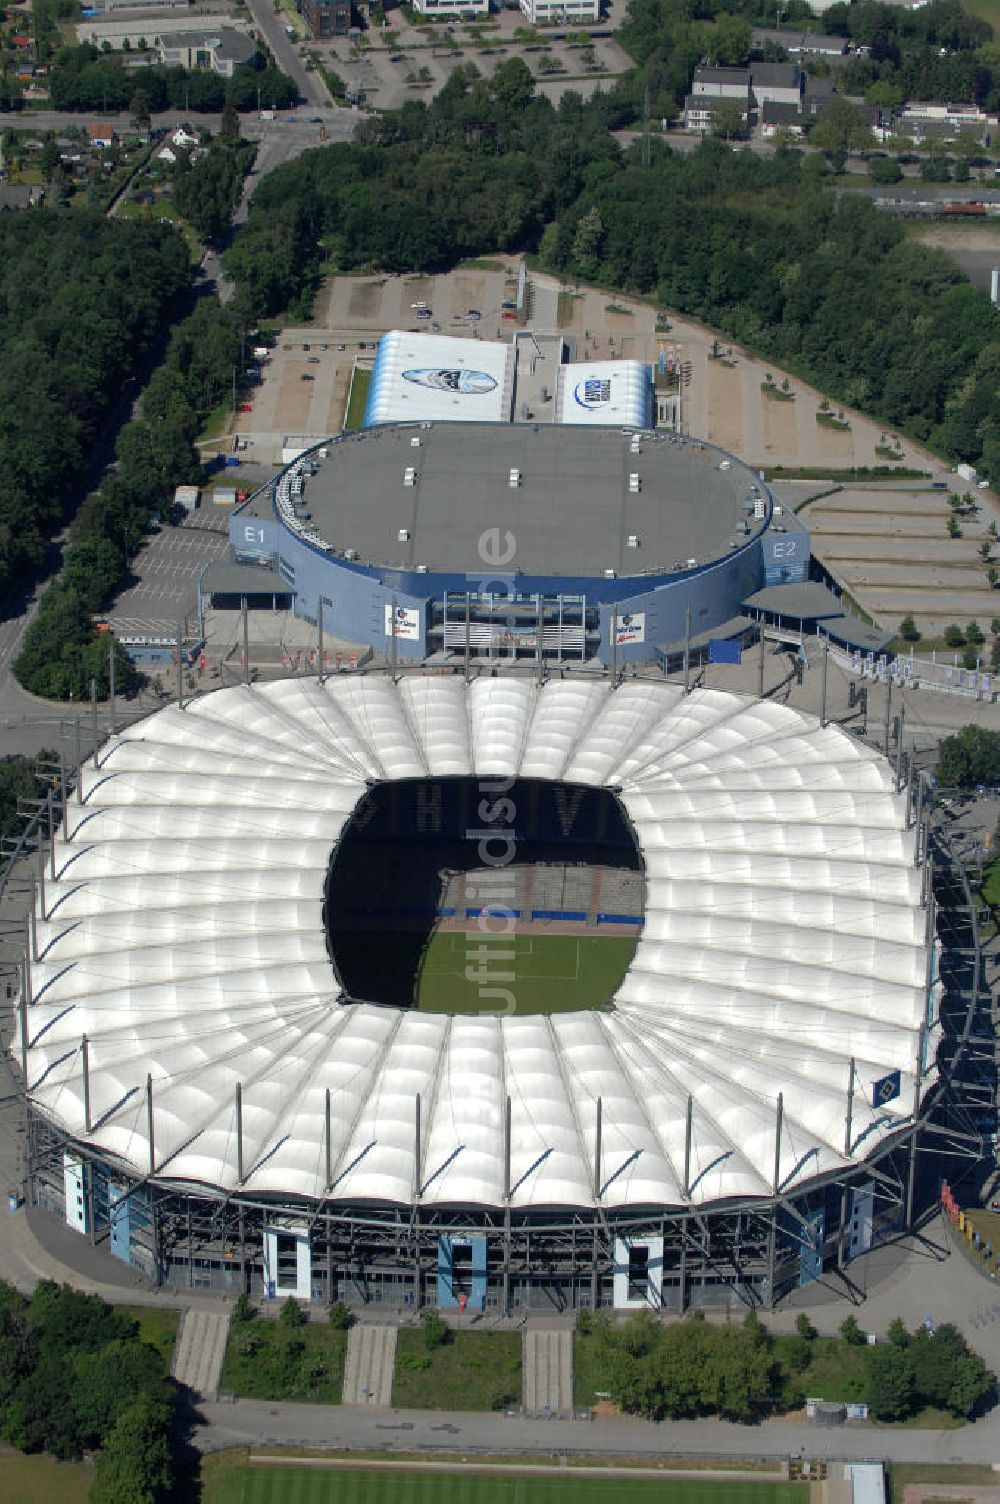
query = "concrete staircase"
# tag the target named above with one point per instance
(199, 1351)
(369, 1365)
(547, 1371)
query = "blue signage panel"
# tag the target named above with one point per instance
(886, 1089)
(721, 650)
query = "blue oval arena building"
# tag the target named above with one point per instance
(513, 541)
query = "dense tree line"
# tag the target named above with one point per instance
(937, 51)
(75, 1378)
(826, 286)
(83, 78)
(81, 300)
(693, 1367)
(62, 651)
(20, 778)
(207, 192)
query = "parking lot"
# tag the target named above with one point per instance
(405, 62)
(166, 570)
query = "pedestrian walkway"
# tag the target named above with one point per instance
(547, 1370)
(199, 1351)
(369, 1366)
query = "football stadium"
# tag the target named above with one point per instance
(418, 989)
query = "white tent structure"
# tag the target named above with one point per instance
(184, 1018)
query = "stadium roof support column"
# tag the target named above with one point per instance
(240, 1177)
(79, 763)
(393, 659)
(180, 667)
(888, 716)
(22, 1008)
(506, 1207)
(63, 805)
(848, 1123)
(319, 641)
(468, 636)
(687, 651)
(111, 680)
(823, 681)
(50, 823)
(150, 1126)
(246, 639)
(85, 1064)
(417, 1172)
(682, 1272)
(597, 1150)
(772, 1240)
(899, 749)
(328, 1142)
(93, 713)
(760, 657)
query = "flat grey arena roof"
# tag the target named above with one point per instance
(571, 513)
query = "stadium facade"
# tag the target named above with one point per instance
(517, 541)
(741, 1114)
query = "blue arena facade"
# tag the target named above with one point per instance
(512, 542)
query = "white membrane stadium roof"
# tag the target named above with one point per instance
(784, 936)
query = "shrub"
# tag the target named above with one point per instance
(292, 1315)
(340, 1317)
(435, 1331)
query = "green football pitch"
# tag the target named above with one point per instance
(287, 1485)
(543, 973)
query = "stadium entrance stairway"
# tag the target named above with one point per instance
(369, 1365)
(547, 1369)
(199, 1351)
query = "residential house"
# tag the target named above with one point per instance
(543, 12)
(101, 136)
(799, 43)
(775, 83)
(775, 117)
(708, 87)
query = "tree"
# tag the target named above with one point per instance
(890, 1382)
(842, 127)
(139, 109)
(340, 1317)
(973, 633)
(135, 1466)
(908, 630)
(884, 170)
(292, 1315)
(728, 121)
(969, 758)
(954, 636)
(804, 1327)
(435, 1332)
(851, 1332)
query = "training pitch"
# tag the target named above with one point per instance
(544, 973)
(258, 1485)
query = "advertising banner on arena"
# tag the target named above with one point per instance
(630, 628)
(407, 624)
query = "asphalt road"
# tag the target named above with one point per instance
(271, 27)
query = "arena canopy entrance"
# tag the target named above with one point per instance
(457, 895)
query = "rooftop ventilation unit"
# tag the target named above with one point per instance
(759, 508)
(415, 442)
(409, 476)
(514, 478)
(632, 541)
(403, 535)
(636, 445)
(609, 574)
(634, 484)
(691, 563)
(421, 569)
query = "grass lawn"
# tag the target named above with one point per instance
(589, 1377)
(952, 1474)
(259, 1485)
(42, 1480)
(359, 396)
(157, 1327)
(837, 1371)
(550, 973)
(986, 10)
(266, 1361)
(474, 1371)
